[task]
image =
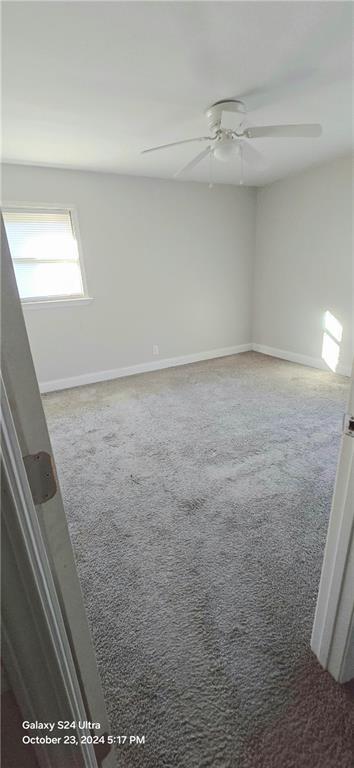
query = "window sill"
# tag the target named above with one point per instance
(56, 303)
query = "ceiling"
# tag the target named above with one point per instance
(90, 84)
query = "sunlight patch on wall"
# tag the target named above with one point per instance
(333, 326)
(332, 337)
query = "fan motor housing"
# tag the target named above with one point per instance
(214, 112)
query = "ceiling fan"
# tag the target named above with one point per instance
(231, 137)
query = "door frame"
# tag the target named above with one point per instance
(332, 638)
(54, 640)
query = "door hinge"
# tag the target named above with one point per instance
(348, 424)
(41, 476)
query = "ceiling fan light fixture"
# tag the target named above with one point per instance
(225, 149)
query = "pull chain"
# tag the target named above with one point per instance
(211, 155)
(242, 165)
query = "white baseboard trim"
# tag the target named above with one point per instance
(171, 362)
(131, 370)
(294, 357)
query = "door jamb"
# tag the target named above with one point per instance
(333, 627)
(28, 524)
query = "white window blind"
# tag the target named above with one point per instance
(45, 253)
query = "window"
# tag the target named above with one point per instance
(45, 254)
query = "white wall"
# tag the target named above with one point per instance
(167, 263)
(172, 263)
(304, 261)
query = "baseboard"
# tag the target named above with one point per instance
(294, 357)
(131, 370)
(171, 362)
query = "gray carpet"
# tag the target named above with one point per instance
(198, 499)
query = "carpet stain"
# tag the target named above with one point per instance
(190, 505)
(199, 542)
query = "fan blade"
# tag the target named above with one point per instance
(252, 157)
(193, 162)
(176, 144)
(294, 131)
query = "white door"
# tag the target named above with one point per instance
(61, 617)
(333, 629)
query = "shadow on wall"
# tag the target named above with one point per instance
(332, 337)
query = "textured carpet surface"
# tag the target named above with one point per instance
(198, 500)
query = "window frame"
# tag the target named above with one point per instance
(62, 300)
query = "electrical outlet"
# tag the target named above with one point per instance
(155, 349)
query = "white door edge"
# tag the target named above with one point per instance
(28, 523)
(333, 628)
